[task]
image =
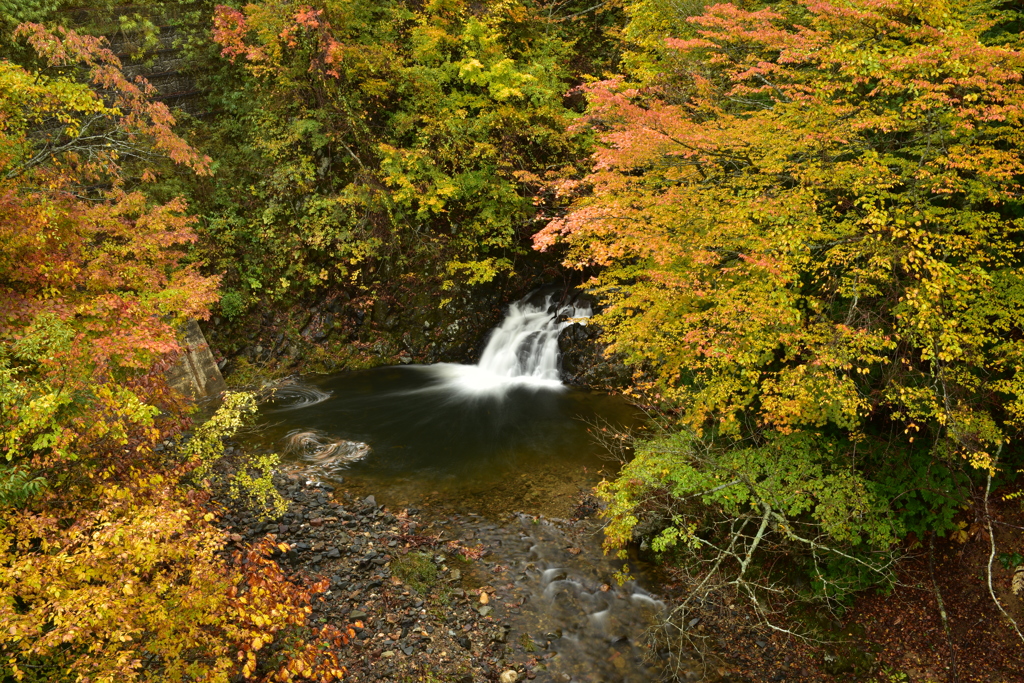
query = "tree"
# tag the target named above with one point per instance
(110, 566)
(91, 272)
(384, 138)
(137, 587)
(811, 229)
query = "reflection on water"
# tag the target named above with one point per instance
(451, 426)
(409, 426)
(292, 394)
(406, 433)
(502, 436)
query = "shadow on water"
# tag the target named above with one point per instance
(418, 427)
(457, 427)
(411, 435)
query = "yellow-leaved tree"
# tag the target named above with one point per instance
(111, 568)
(806, 222)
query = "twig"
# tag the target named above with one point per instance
(992, 557)
(942, 610)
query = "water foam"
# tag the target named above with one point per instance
(323, 451)
(521, 352)
(291, 395)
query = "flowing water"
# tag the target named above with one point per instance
(501, 436)
(498, 436)
(589, 627)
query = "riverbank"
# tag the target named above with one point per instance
(409, 585)
(419, 605)
(428, 595)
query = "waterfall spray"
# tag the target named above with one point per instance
(522, 351)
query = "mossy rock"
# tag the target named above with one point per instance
(418, 571)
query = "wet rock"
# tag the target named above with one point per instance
(847, 659)
(356, 544)
(509, 676)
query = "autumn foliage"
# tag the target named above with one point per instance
(803, 220)
(140, 589)
(806, 219)
(92, 276)
(111, 568)
(383, 139)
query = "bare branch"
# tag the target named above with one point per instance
(992, 557)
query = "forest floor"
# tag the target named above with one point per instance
(981, 647)
(899, 636)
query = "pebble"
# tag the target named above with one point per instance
(353, 543)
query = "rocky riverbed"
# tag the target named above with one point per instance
(455, 598)
(463, 598)
(400, 632)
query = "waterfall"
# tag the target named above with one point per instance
(523, 350)
(525, 345)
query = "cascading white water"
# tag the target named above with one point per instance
(523, 350)
(526, 342)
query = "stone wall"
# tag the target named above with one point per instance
(164, 65)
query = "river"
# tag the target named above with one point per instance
(503, 450)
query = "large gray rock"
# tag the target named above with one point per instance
(196, 373)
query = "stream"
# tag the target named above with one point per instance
(500, 450)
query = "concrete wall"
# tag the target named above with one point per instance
(196, 373)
